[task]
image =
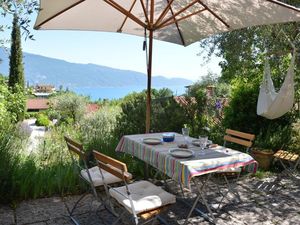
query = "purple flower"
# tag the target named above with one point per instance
(218, 104)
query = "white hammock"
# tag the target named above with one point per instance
(271, 104)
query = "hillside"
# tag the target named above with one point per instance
(45, 70)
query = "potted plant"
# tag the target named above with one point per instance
(264, 157)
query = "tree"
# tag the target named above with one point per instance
(23, 8)
(243, 52)
(16, 69)
(250, 48)
(70, 107)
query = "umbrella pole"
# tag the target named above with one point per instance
(149, 74)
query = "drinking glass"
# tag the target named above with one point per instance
(185, 133)
(202, 142)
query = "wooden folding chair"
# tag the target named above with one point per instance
(142, 199)
(238, 138)
(290, 161)
(91, 176)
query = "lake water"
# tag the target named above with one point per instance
(96, 93)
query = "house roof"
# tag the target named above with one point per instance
(44, 88)
(37, 103)
(43, 103)
(92, 107)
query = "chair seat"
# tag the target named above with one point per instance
(285, 155)
(145, 196)
(96, 176)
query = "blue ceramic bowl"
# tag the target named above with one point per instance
(168, 137)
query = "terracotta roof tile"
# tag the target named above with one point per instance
(37, 103)
(42, 103)
(92, 107)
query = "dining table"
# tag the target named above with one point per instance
(184, 164)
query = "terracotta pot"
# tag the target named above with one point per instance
(263, 157)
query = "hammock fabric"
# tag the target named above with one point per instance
(272, 104)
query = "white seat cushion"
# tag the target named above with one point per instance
(145, 196)
(96, 176)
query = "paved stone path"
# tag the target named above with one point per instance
(36, 134)
(261, 204)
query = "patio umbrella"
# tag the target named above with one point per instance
(177, 21)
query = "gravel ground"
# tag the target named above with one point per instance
(262, 202)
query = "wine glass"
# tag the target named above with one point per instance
(185, 133)
(202, 143)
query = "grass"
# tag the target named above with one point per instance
(49, 170)
(45, 173)
(261, 174)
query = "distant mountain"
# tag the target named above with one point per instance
(45, 70)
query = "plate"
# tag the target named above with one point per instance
(197, 142)
(152, 141)
(181, 153)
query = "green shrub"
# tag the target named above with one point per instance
(166, 114)
(132, 117)
(205, 116)
(42, 120)
(197, 111)
(16, 104)
(97, 129)
(241, 112)
(241, 115)
(9, 163)
(49, 171)
(29, 115)
(295, 141)
(11, 104)
(53, 114)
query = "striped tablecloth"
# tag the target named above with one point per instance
(182, 170)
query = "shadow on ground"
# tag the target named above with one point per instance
(264, 202)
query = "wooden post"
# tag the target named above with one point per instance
(149, 76)
(149, 69)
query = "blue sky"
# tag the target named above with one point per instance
(119, 51)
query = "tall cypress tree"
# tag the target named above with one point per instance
(16, 69)
(16, 73)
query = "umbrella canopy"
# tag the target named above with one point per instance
(177, 21)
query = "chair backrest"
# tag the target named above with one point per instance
(76, 148)
(237, 137)
(111, 165)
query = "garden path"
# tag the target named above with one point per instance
(258, 207)
(36, 135)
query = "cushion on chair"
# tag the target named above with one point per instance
(96, 176)
(145, 195)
